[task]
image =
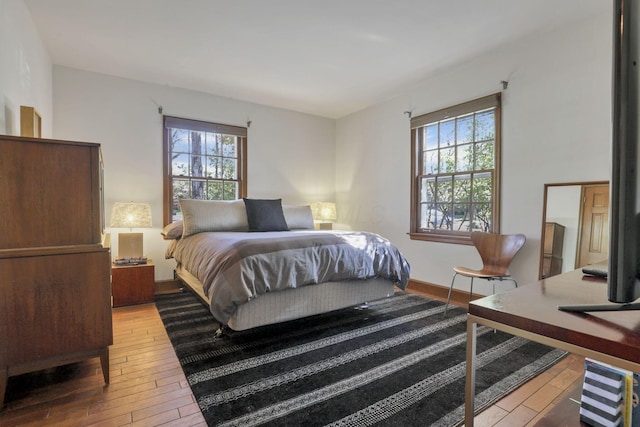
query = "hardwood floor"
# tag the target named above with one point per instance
(148, 387)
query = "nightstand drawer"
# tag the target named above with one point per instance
(132, 284)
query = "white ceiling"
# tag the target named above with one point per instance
(324, 57)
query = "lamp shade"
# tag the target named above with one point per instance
(130, 215)
(324, 211)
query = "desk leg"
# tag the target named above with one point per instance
(470, 390)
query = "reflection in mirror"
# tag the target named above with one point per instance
(575, 226)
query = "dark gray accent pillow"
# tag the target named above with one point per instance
(265, 215)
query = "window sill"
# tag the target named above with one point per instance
(457, 239)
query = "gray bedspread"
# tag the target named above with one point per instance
(235, 267)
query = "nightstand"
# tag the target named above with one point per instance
(132, 284)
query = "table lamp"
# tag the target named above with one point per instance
(323, 212)
(130, 215)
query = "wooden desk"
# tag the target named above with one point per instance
(531, 312)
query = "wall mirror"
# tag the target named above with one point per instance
(575, 226)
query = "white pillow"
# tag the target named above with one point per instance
(213, 215)
(298, 217)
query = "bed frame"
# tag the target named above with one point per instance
(290, 304)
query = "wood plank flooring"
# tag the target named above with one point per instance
(148, 387)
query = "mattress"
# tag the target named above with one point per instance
(290, 304)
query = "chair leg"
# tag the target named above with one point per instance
(503, 279)
(471, 290)
(446, 307)
(513, 280)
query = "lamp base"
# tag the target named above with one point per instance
(130, 245)
(325, 226)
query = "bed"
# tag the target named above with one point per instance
(257, 262)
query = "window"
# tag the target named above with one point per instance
(456, 171)
(202, 160)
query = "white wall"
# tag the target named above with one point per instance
(25, 69)
(291, 155)
(556, 126)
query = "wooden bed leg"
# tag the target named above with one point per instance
(104, 363)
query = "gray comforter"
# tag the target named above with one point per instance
(235, 267)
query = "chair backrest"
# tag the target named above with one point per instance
(497, 250)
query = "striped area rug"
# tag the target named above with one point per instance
(394, 362)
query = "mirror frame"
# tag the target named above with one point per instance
(544, 213)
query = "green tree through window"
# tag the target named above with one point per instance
(455, 169)
(203, 160)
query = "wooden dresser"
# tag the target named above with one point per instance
(55, 305)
